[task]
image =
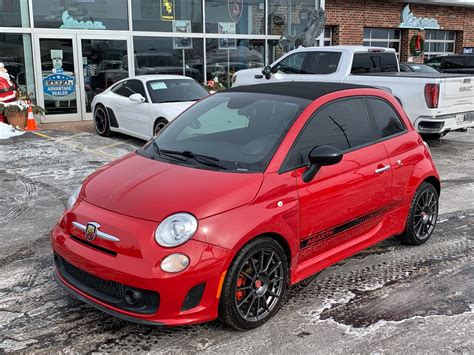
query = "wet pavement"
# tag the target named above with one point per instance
(390, 298)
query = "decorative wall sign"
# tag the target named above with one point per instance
(167, 10)
(226, 28)
(235, 8)
(58, 85)
(71, 22)
(182, 26)
(411, 21)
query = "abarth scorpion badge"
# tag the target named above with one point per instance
(91, 231)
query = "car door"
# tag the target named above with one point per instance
(289, 68)
(403, 149)
(344, 202)
(135, 114)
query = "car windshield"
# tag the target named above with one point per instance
(233, 131)
(421, 68)
(175, 90)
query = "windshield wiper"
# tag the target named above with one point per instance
(166, 153)
(201, 158)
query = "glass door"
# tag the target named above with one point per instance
(103, 62)
(57, 77)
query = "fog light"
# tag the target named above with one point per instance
(175, 263)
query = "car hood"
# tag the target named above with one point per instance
(149, 189)
(247, 77)
(172, 108)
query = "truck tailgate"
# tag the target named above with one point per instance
(456, 91)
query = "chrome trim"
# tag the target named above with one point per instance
(100, 234)
(381, 170)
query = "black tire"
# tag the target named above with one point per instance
(255, 284)
(160, 123)
(432, 136)
(101, 121)
(423, 215)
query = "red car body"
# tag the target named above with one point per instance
(130, 196)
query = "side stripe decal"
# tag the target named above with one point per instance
(337, 230)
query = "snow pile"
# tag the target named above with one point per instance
(7, 131)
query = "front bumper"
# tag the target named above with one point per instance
(447, 123)
(105, 279)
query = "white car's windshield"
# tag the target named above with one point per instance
(228, 131)
(175, 90)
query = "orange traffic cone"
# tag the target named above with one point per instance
(31, 123)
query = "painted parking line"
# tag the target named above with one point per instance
(77, 146)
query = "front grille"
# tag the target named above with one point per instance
(111, 292)
(193, 298)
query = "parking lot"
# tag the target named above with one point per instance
(389, 298)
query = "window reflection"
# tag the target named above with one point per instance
(155, 55)
(248, 15)
(223, 61)
(148, 15)
(86, 15)
(14, 13)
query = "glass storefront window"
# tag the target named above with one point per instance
(158, 15)
(382, 37)
(102, 63)
(227, 56)
(14, 13)
(179, 56)
(288, 16)
(85, 15)
(247, 15)
(16, 55)
(439, 43)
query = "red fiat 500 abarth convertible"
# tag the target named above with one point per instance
(247, 192)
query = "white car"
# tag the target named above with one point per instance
(141, 106)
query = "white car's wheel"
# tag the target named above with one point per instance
(101, 121)
(160, 123)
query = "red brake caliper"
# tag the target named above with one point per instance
(240, 282)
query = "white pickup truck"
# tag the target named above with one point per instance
(436, 103)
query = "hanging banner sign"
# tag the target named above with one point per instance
(167, 10)
(59, 85)
(235, 8)
(411, 21)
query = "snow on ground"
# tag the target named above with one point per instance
(7, 131)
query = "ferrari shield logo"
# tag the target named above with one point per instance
(91, 231)
(235, 9)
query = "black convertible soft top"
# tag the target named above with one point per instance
(302, 89)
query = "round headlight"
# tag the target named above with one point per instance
(73, 197)
(176, 229)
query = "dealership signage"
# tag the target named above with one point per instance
(59, 85)
(411, 21)
(167, 10)
(235, 8)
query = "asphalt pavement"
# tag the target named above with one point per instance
(391, 298)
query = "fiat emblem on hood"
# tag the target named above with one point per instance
(91, 231)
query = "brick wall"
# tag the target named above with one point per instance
(351, 16)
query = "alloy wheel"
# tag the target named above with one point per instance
(260, 284)
(100, 120)
(426, 213)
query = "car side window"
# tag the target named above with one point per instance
(293, 64)
(387, 121)
(121, 89)
(343, 124)
(136, 87)
(453, 62)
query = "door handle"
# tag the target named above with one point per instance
(382, 169)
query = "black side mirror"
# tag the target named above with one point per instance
(321, 156)
(267, 72)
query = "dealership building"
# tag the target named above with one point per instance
(64, 52)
